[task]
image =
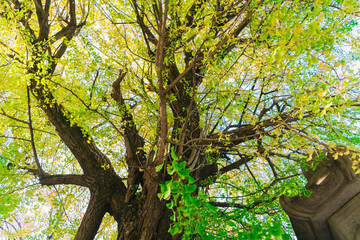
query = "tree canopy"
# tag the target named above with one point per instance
(164, 119)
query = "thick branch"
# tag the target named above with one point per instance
(227, 139)
(73, 179)
(134, 143)
(66, 31)
(42, 17)
(181, 76)
(50, 180)
(90, 158)
(41, 171)
(235, 165)
(92, 218)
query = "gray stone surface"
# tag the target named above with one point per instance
(345, 223)
(334, 201)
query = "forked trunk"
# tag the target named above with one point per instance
(151, 220)
(145, 216)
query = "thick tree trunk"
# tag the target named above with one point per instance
(146, 216)
(150, 221)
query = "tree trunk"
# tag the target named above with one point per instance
(146, 217)
(140, 214)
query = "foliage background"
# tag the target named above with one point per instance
(293, 73)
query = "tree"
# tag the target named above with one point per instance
(180, 119)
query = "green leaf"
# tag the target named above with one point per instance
(167, 192)
(173, 154)
(187, 199)
(184, 173)
(196, 202)
(179, 166)
(191, 179)
(285, 236)
(175, 229)
(170, 170)
(170, 205)
(190, 188)
(159, 167)
(230, 223)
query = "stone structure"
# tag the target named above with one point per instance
(332, 212)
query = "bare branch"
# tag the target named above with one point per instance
(242, 206)
(41, 171)
(12, 117)
(35, 129)
(12, 50)
(73, 179)
(306, 137)
(93, 84)
(235, 165)
(15, 138)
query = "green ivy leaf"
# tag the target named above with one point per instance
(173, 154)
(159, 167)
(190, 188)
(184, 173)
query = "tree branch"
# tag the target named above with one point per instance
(90, 158)
(234, 137)
(242, 206)
(42, 17)
(25, 17)
(134, 143)
(159, 60)
(57, 179)
(241, 26)
(41, 171)
(92, 218)
(68, 33)
(15, 138)
(148, 35)
(235, 165)
(73, 179)
(12, 117)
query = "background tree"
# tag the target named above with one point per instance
(177, 118)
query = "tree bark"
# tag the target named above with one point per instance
(92, 219)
